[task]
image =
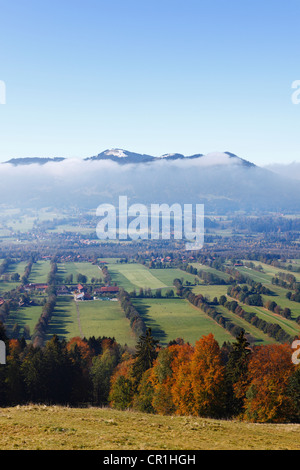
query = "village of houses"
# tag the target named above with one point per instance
(80, 292)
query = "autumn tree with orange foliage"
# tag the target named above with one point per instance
(162, 377)
(207, 378)
(270, 369)
(181, 386)
(122, 384)
(79, 350)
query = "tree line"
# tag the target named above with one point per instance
(137, 324)
(258, 384)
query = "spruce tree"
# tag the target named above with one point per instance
(146, 353)
(236, 372)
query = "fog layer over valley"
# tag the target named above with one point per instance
(222, 181)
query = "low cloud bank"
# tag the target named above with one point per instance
(290, 170)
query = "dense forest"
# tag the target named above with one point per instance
(258, 384)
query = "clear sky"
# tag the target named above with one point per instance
(150, 76)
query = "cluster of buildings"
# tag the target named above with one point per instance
(81, 293)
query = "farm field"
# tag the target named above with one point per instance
(105, 318)
(39, 272)
(64, 319)
(258, 335)
(168, 275)
(281, 300)
(289, 326)
(271, 271)
(87, 269)
(6, 286)
(177, 318)
(57, 428)
(22, 224)
(169, 318)
(203, 267)
(5, 283)
(17, 268)
(96, 318)
(134, 276)
(24, 316)
(211, 291)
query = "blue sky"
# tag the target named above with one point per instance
(191, 76)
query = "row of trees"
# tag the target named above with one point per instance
(260, 384)
(149, 293)
(136, 322)
(4, 266)
(27, 271)
(206, 276)
(286, 280)
(271, 329)
(294, 296)
(208, 308)
(40, 329)
(246, 295)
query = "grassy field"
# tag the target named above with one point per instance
(6, 286)
(220, 274)
(90, 318)
(87, 269)
(17, 268)
(105, 318)
(57, 428)
(291, 327)
(271, 271)
(134, 276)
(64, 319)
(24, 316)
(211, 291)
(280, 299)
(167, 276)
(177, 318)
(258, 335)
(39, 271)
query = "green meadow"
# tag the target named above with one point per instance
(39, 272)
(177, 318)
(87, 269)
(90, 318)
(24, 316)
(135, 276)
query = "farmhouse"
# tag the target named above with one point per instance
(36, 286)
(106, 290)
(79, 296)
(62, 290)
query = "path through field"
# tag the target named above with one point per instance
(78, 319)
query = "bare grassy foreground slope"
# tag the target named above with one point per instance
(41, 427)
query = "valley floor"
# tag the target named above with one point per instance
(62, 428)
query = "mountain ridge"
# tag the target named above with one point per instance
(122, 157)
